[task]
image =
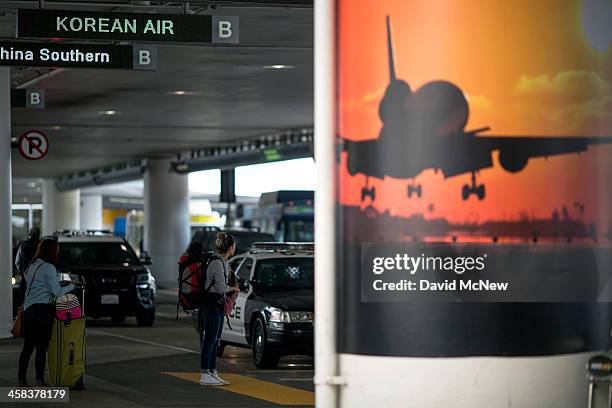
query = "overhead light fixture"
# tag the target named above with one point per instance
(109, 112)
(56, 127)
(181, 93)
(278, 66)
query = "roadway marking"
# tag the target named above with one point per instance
(253, 387)
(150, 343)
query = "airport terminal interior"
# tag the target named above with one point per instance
(149, 159)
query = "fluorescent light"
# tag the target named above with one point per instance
(278, 66)
(109, 112)
(181, 93)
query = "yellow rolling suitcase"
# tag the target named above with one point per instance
(67, 353)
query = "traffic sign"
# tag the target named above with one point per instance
(33, 145)
(115, 26)
(78, 55)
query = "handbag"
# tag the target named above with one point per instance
(230, 300)
(17, 329)
(67, 307)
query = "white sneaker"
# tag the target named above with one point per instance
(215, 375)
(207, 379)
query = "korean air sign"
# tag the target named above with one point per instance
(127, 26)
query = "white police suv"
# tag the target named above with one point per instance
(274, 311)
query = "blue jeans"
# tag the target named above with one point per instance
(211, 319)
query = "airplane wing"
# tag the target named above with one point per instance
(514, 151)
(542, 146)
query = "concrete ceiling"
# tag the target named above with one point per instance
(228, 96)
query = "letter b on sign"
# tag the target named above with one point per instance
(225, 29)
(35, 99)
(145, 57)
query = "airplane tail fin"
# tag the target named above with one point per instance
(390, 50)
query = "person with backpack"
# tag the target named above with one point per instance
(211, 311)
(39, 308)
(27, 249)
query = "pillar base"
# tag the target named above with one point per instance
(474, 382)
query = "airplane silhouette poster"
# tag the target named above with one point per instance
(477, 113)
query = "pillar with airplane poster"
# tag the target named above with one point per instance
(474, 229)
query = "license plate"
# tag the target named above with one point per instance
(109, 299)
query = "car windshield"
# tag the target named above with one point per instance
(96, 253)
(285, 273)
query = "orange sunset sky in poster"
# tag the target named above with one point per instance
(527, 68)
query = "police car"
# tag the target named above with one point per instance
(274, 311)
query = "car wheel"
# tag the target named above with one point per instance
(145, 318)
(263, 356)
(221, 349)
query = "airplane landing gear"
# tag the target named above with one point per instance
(415, 189)
(368, 191)
(479, 191)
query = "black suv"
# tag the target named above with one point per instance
(244, 238)
(117, 282)
(274, 312)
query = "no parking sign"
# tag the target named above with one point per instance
(33, 145)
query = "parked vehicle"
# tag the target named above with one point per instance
(288, 215)
(244, 238)
(274, 310)
(117, 281)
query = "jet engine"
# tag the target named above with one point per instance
(512, 160)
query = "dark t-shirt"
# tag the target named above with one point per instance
(25, 254)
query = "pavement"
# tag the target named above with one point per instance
(130, 366)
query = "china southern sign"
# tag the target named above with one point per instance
(143, 57)
(127, 26)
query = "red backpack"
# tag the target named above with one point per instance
(192, 267)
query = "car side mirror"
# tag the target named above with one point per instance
(145, 258)
(243, 285)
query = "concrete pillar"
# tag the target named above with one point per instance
(60, 209)
(166, 227)
(6, 232)
(91, 212)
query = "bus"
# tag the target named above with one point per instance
(288, 215)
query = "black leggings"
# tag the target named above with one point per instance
(37, 327)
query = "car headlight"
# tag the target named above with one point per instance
(279, 316)
(282, 316)
(144, 280)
